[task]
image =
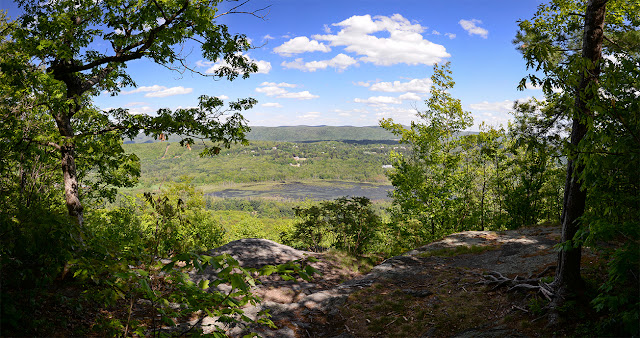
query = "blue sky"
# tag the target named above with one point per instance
(353, 62)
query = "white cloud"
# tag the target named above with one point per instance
(311, 115)
(435, 32)
(471, 27)
(267, 37)
(379, 100)
(450, 35)
(272, 105)
(133, 104)
(500, 106)
(141, 110)
(223, 97)
(301, 44)
(281, 84)
(159, 91)
(271, 90)
(410, 96)
(170, 92)
(153, 88)
(405, 43)
(277, 90)
(398, 114)
(340, 62)
(326, 29)
(264, 67)
(414, 85)
(531, 86)
(304, 95)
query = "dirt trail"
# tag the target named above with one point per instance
(413, 292)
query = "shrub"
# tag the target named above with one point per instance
(347, 224)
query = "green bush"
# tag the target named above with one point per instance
(122, 264)
(347, 224)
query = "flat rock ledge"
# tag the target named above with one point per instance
(515, 252)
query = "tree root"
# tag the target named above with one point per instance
(517, 283)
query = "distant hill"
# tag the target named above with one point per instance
(319, 133)
(304, 134)
(360, 135)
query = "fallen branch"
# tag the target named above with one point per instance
(518, 283)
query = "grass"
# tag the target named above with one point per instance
(456, 304)
(359, 264)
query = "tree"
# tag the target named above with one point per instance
(346, 224)
(429, 182)
(533, 191)
(590, 52)
(57, 40)
(486, 152)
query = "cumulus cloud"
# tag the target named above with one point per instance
(272, 105)
(398, 114)
(271, 90)
(379, 100)
(311, 115)
(223, 97)
(500, 106)
(264, 67)
(278, 90)
(142, 89)
(471, 26)
(450, 35)
(304, 95)
(141, 110)
(301, 44)
(340, 62)
(133, 104)
(281, 84)
(170, 92)
(159, 91)
(414, 86)
(409, 96)
(405, 43)
(531, 86)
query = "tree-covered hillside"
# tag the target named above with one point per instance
(302, 134)
(263, 161)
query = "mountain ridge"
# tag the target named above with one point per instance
(304, 133)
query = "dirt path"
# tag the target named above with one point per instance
(428, 292)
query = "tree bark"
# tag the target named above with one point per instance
(568, 280)
(69, 171)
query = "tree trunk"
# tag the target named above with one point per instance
(69, 172)
(568, 280)
(484, 186)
